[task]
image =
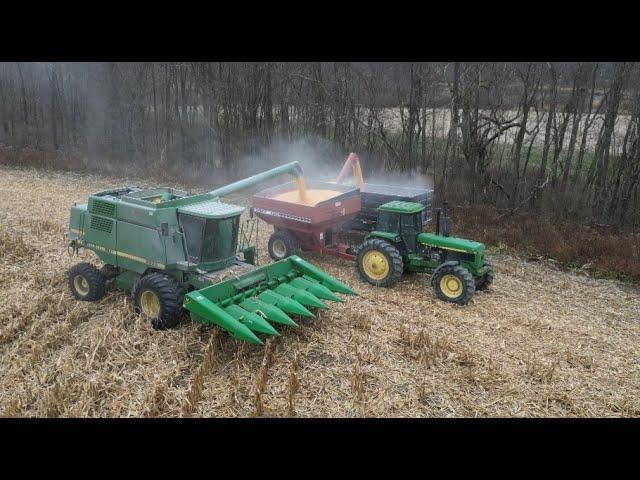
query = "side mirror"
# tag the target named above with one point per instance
(164, 229)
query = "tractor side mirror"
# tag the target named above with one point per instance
(164, 229)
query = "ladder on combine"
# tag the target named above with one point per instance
(248, 239)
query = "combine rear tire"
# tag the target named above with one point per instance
(282, 244)
(483, 282)
(157, 296)
(379, 263)
(86, 282)
(453, 283)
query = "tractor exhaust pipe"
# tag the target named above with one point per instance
(443, 222)
(446, 221)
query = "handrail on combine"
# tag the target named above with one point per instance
(354, 162)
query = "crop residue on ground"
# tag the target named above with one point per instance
(541, 342)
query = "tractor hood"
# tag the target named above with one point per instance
(451, 243)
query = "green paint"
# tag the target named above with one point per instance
(126, 279)
(398, 206)
(451, 243)
(391, 237)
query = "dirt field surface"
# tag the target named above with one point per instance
(540, 342)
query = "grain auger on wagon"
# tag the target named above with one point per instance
(173, 251)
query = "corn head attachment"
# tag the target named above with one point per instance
(256, 301)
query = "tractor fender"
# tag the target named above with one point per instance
(451, 263)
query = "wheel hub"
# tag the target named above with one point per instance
(81, 285)
(150, 304)
(451, 286)
(279, 248)
(375, 265)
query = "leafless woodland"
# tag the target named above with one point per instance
(559, 139)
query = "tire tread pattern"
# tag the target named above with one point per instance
(290, 242)
(168, 293)
(393, 257)
(460, 272)
(97, 282)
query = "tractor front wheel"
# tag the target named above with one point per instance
(453, 283)
(157, 296)
(282, 244)
(379, 263)
(86, 282)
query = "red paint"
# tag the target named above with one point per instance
(315, 227)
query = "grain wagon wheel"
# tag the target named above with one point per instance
(282, 244)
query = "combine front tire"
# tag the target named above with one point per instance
(86, 282)
(453, 283)
(282, 244)
(158, 297)
(483, 282)
(379, 263)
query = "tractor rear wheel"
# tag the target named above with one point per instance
(483, 282)
(282, 244)
(453, 283)
(379, 263)
(157, 296)
(86, 282)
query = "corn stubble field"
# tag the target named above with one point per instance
(540, 342)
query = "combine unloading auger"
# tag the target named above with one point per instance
(174, 250)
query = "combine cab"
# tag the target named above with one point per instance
(174, 250)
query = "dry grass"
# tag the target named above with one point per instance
(595, 250)
(541, 342)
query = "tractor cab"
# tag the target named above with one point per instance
(400, 219)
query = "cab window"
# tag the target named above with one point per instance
(388, 222)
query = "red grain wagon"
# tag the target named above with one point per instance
(307, 227)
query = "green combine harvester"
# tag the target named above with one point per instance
(458, 266)
(174, 250)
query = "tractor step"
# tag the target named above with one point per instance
(249, 304)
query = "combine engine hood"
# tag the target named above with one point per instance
(451, 243)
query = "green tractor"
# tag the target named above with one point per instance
(458, 267)
(174, 250)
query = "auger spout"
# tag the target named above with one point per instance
(292, 168)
